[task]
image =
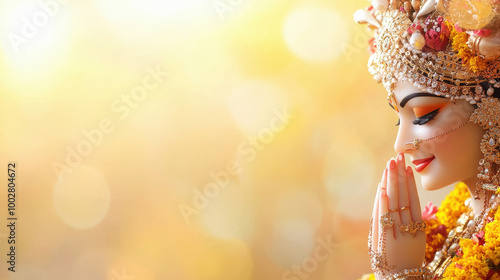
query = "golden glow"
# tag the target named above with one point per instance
(239, 223)
(253, 105)
(35, 45)
(166, 8)
(482, 15)
(315, 34)
(82, 198)
(129, 160)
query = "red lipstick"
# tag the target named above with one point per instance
(421, 164)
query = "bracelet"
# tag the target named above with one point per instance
(410, 274)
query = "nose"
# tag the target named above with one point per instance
(404, 140)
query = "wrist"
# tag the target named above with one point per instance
(410, 274)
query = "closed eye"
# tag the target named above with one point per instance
(426, 118)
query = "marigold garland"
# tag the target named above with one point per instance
(446, 218)
(368, 277)
(481, 257)
(434, 238)
(452, 207)
(474, 62)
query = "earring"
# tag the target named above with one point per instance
(487, 116)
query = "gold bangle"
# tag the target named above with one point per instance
(411, 273)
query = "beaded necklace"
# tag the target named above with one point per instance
(469, 250)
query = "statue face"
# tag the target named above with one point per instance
(448, 158)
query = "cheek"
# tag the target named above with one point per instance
(457, 158)
(464, 148)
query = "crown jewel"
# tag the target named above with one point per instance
(448, 48)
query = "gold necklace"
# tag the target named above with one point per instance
(467, 225)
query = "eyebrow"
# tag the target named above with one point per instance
(417, 94)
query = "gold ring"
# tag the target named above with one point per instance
(386, 221)
(405, 208)
(413, 227)
(393, 210)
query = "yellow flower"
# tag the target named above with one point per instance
(476, 260)
(453, 206)
(469, 59)
(448, 213)
(368, 277)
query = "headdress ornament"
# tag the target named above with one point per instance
(448, 48)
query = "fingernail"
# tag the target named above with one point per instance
(400, 156)
(383, 193)
(409, 170)
(392, 164)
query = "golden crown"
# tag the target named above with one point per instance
(448, 48)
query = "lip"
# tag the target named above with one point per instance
(421, 164)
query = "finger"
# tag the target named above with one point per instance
(383, 184)
(392, 192)
(415, 211)
(404, 200)
(375, 217)
(382, 210)
(375, 203)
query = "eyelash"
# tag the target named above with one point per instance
(424, 119)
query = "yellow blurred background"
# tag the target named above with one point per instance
(189, 139)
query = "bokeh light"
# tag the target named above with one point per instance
(253, 104)
(239, 223)
(315, 34)
(297, 216)
(273, 97)
(82, 197)
(36, 44)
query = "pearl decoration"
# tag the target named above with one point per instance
(417, 40)
(471, 224)
(439, 255)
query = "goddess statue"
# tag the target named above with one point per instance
(439, 61)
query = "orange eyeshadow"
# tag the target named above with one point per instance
(424, 110)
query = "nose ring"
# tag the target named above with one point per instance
(416, 142)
